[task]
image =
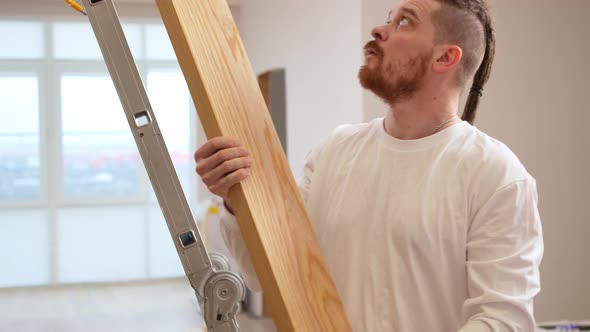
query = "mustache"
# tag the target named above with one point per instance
(374, 47)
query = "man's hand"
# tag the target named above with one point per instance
(221, 163)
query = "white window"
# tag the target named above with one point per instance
(76, 204)
(19, 137)
(21, 40)
(99, 156)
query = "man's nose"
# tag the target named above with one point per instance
(379, 33)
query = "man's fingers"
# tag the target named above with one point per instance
(214, 145)
(221, 163)
(225, 169)
(206, 165)
(224, 155)
(225, 184)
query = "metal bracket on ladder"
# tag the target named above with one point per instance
(218, 290)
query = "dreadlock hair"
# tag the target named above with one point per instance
(468, 24)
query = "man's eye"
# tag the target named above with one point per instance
(403, 22)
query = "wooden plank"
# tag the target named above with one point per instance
(269, 82)
(276, 228)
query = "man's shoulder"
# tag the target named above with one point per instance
(349, 133)
(342, 141)
(491, 159)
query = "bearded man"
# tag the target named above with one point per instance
(425, 222)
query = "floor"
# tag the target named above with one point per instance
(169, 306)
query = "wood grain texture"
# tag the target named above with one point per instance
(264, 84)
(276, 228)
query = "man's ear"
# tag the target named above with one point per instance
(447, 58)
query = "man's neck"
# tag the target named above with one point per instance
(420, 115)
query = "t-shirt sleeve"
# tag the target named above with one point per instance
(304, 182)
(504, 250)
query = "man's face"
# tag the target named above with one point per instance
(398, 60)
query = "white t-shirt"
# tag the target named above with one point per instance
(436, 234)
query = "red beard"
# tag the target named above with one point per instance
(393, 82)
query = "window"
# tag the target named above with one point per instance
(75, 200)
(100, 158)
(86, 254)
(25, 39)
(23, 247)
(169, 95)
(155, 49)
(19, 137)
(76, 41)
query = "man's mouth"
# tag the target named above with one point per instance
(372, 49)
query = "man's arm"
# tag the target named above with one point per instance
(504, 250)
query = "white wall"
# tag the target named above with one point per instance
(318, 42)
(536, 102)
